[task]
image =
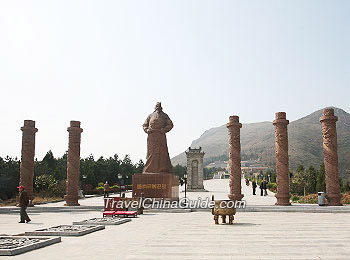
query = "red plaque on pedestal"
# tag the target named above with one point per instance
(156, 185)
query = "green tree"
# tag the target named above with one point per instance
(299, 180)
(311, 185)
(179, 170)
(347, 187)
(9, 177)
(50, 160)
(321, 179)
(139, 166)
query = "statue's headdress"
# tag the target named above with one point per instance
(159, 104)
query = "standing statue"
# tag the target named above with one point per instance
(156, 125)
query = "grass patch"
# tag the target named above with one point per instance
(37, 200)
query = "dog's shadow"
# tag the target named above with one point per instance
(241, 224)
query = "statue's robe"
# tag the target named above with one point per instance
(158, 160)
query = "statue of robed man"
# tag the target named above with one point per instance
(156, 125)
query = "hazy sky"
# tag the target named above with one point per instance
(106, 64)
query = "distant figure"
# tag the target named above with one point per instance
(23, 203)
(261, 188)
(254, 187)
(265, 188)
(106, 189)
(247, 182)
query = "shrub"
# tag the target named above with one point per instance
(346, 198)
(59, 189)
(309, 199)
(48, 186)
(44, 182)
(272, 186)
(295, 198)
(296, 188)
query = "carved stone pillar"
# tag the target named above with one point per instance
(73, 164)
(234, 138)
(27, 158)
(330, 151)
(282, 164)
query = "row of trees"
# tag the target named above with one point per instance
(51, 173)
(310, 181)
(305, 180)
(9, 177)
(180, 171)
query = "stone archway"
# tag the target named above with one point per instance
(195, 169)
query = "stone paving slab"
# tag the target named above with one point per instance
(66, 230)
(15, 245)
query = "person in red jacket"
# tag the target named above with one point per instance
(23, 203)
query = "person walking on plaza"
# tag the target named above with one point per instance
(106, 189)
(254, 187)
(23, 203)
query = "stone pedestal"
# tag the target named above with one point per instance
(282, 162)
(73, 164)
(156, 185)
(330, 151)
(27, 158)
(234, 140)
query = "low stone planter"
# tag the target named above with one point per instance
(14, 245)
(66, 230)
(102, 221)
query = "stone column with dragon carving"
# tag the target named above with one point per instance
(234, 138)
(73, 164)
(27, 158)
(282, 162)
(330, 151)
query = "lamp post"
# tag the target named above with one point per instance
(84, 182)
(127, 182)
(269, 177)
(119, 182)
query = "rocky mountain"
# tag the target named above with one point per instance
(258, 142)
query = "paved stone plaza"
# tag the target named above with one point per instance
(220, 189)
(194, 235)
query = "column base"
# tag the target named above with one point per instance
(334, 199)
(282, 200)
(71, 201)
(235, 196)
(283, 203)
(197, 190)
